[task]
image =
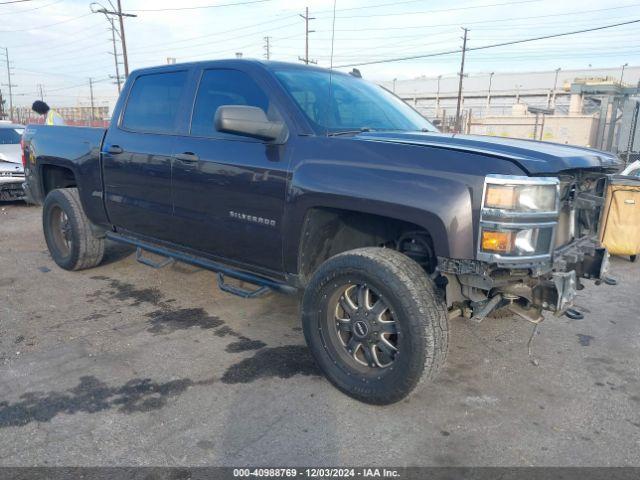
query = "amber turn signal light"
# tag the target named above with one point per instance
(494, 241)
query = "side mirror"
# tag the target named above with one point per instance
(248, 121)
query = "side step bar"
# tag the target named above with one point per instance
(150, 263)
(239, 291)
(264, 284)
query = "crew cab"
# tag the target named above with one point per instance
(293, 177)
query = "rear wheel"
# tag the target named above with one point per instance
(67, 231)
(375, 324)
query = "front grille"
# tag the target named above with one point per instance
(12, 174)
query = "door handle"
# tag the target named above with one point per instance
(114, 149)
(188, 157)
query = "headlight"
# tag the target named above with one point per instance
(516, 241)
(521, 198)
(518, 217)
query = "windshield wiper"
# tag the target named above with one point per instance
(348, 132)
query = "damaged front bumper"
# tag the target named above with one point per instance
(528, 290)
(11, 188)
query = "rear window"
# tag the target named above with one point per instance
(154, 102)
(10, 136)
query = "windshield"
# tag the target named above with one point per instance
(355, 103)
(10, 136)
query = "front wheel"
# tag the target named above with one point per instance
(375, 324)
(67, 231)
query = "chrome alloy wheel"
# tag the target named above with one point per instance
(365, 326)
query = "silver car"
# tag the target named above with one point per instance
(11, 171)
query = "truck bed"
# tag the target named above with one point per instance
(73, 148)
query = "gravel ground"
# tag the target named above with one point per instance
(127, 365)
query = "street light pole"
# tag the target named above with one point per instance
(622, 72)
(552, 99)
(438, 96)
(489, 91)
(459, 103)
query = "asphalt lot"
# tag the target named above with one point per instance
(127, 365)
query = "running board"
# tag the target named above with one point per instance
(150, 263)
(263, 284)
(239, 291)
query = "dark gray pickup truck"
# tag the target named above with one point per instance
(294, 178)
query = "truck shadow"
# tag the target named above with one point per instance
(116, 251)
(92, 395)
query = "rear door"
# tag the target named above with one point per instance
(229, 190)
(137, 154)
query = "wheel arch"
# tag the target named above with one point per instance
(54, 176)
(327, 231)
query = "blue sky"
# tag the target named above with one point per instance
(59, 43)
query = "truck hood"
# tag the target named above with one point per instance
(532, 156)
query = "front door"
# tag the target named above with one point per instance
(137, 155)
(229, 190)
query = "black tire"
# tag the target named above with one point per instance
(418, 312)
(67, 231)
(632, 258)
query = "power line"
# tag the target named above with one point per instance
(198, 7)
(208, 35)
(31, 9)
(441, 10)
(513, 42)
(40, 27)
(499, 20)
(72, 34)
(14, 1)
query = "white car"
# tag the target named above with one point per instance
(11, 171)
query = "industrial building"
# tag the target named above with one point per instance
(579, 107)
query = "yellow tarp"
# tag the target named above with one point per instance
(620, 231)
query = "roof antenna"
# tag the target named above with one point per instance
(333, 33)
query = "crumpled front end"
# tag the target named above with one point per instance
(537, 242)
(11, 180)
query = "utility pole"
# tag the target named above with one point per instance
(267, 48)
(10, 85)
(116, 13)
(306, 18)
(41, 92)
(91, 95)
(124, 41)
(115, 52)
(464, 51)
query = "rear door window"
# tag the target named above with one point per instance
(154, 102)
